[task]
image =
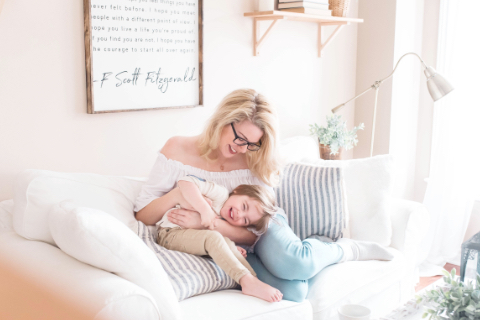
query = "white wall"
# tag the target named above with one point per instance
(405, 109)
(43, 119)
(376, 39)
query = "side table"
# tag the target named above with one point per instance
(411, 310)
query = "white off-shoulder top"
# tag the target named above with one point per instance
(166, 172)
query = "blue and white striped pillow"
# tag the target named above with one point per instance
(190, 275)
(314, 200)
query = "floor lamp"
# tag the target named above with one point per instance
(438, 87)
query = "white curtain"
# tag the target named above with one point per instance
(454, 181)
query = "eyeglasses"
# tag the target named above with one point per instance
(242, 142)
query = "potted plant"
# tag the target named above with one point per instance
(334, 137)
(455, 300)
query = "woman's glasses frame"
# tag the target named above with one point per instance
(241, 142)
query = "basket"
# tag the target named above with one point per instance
(339, 7)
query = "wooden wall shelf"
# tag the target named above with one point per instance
(274, 16)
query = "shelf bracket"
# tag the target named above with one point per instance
(256, 42)
(274, 15)
(321, 45)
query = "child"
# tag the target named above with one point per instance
(247, 205)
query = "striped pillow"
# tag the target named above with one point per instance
(314, 200)
(190, 275)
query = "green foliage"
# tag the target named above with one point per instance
(335, 134)
(457, 300)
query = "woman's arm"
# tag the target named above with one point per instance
(239, 235)
(191, 220)
(154, 211)
(159, 194)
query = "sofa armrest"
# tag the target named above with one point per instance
(410, 222)
(102, 295)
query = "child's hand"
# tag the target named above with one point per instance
(184, 204)
(209, 201)
(243, 252)
(208, 219)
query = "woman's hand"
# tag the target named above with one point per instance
(186, 219)
(208, 219)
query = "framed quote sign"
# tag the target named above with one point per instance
(143, 54)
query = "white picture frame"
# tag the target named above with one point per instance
(143, 54)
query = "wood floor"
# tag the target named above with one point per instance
(429, 280)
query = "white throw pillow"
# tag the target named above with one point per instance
(96, 238)
(37, 191)
(299, 148)
(369, 185)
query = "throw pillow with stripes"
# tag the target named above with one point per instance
(190, 275)
(314, 200)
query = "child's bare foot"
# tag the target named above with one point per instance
(253, 287)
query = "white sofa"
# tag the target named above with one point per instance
(377, 284)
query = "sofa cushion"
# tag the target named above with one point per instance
(95, 237)
(37, 191)
(355, 282)
(368, 185)
(313, 199)
(233, 305)
(190, 275)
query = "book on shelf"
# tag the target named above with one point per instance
(303, 4)
(310, 11)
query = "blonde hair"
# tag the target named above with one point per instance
(240, 105)
(265, 198)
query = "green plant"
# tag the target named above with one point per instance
(335, 134)
(456, 300)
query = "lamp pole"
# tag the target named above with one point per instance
(438, 87)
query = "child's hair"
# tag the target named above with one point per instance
(265, 198)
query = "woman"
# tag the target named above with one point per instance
(238, 146)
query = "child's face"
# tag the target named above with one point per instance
(241, 210)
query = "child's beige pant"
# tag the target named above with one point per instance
(207, 242)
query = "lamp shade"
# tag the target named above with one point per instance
(437, 85)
